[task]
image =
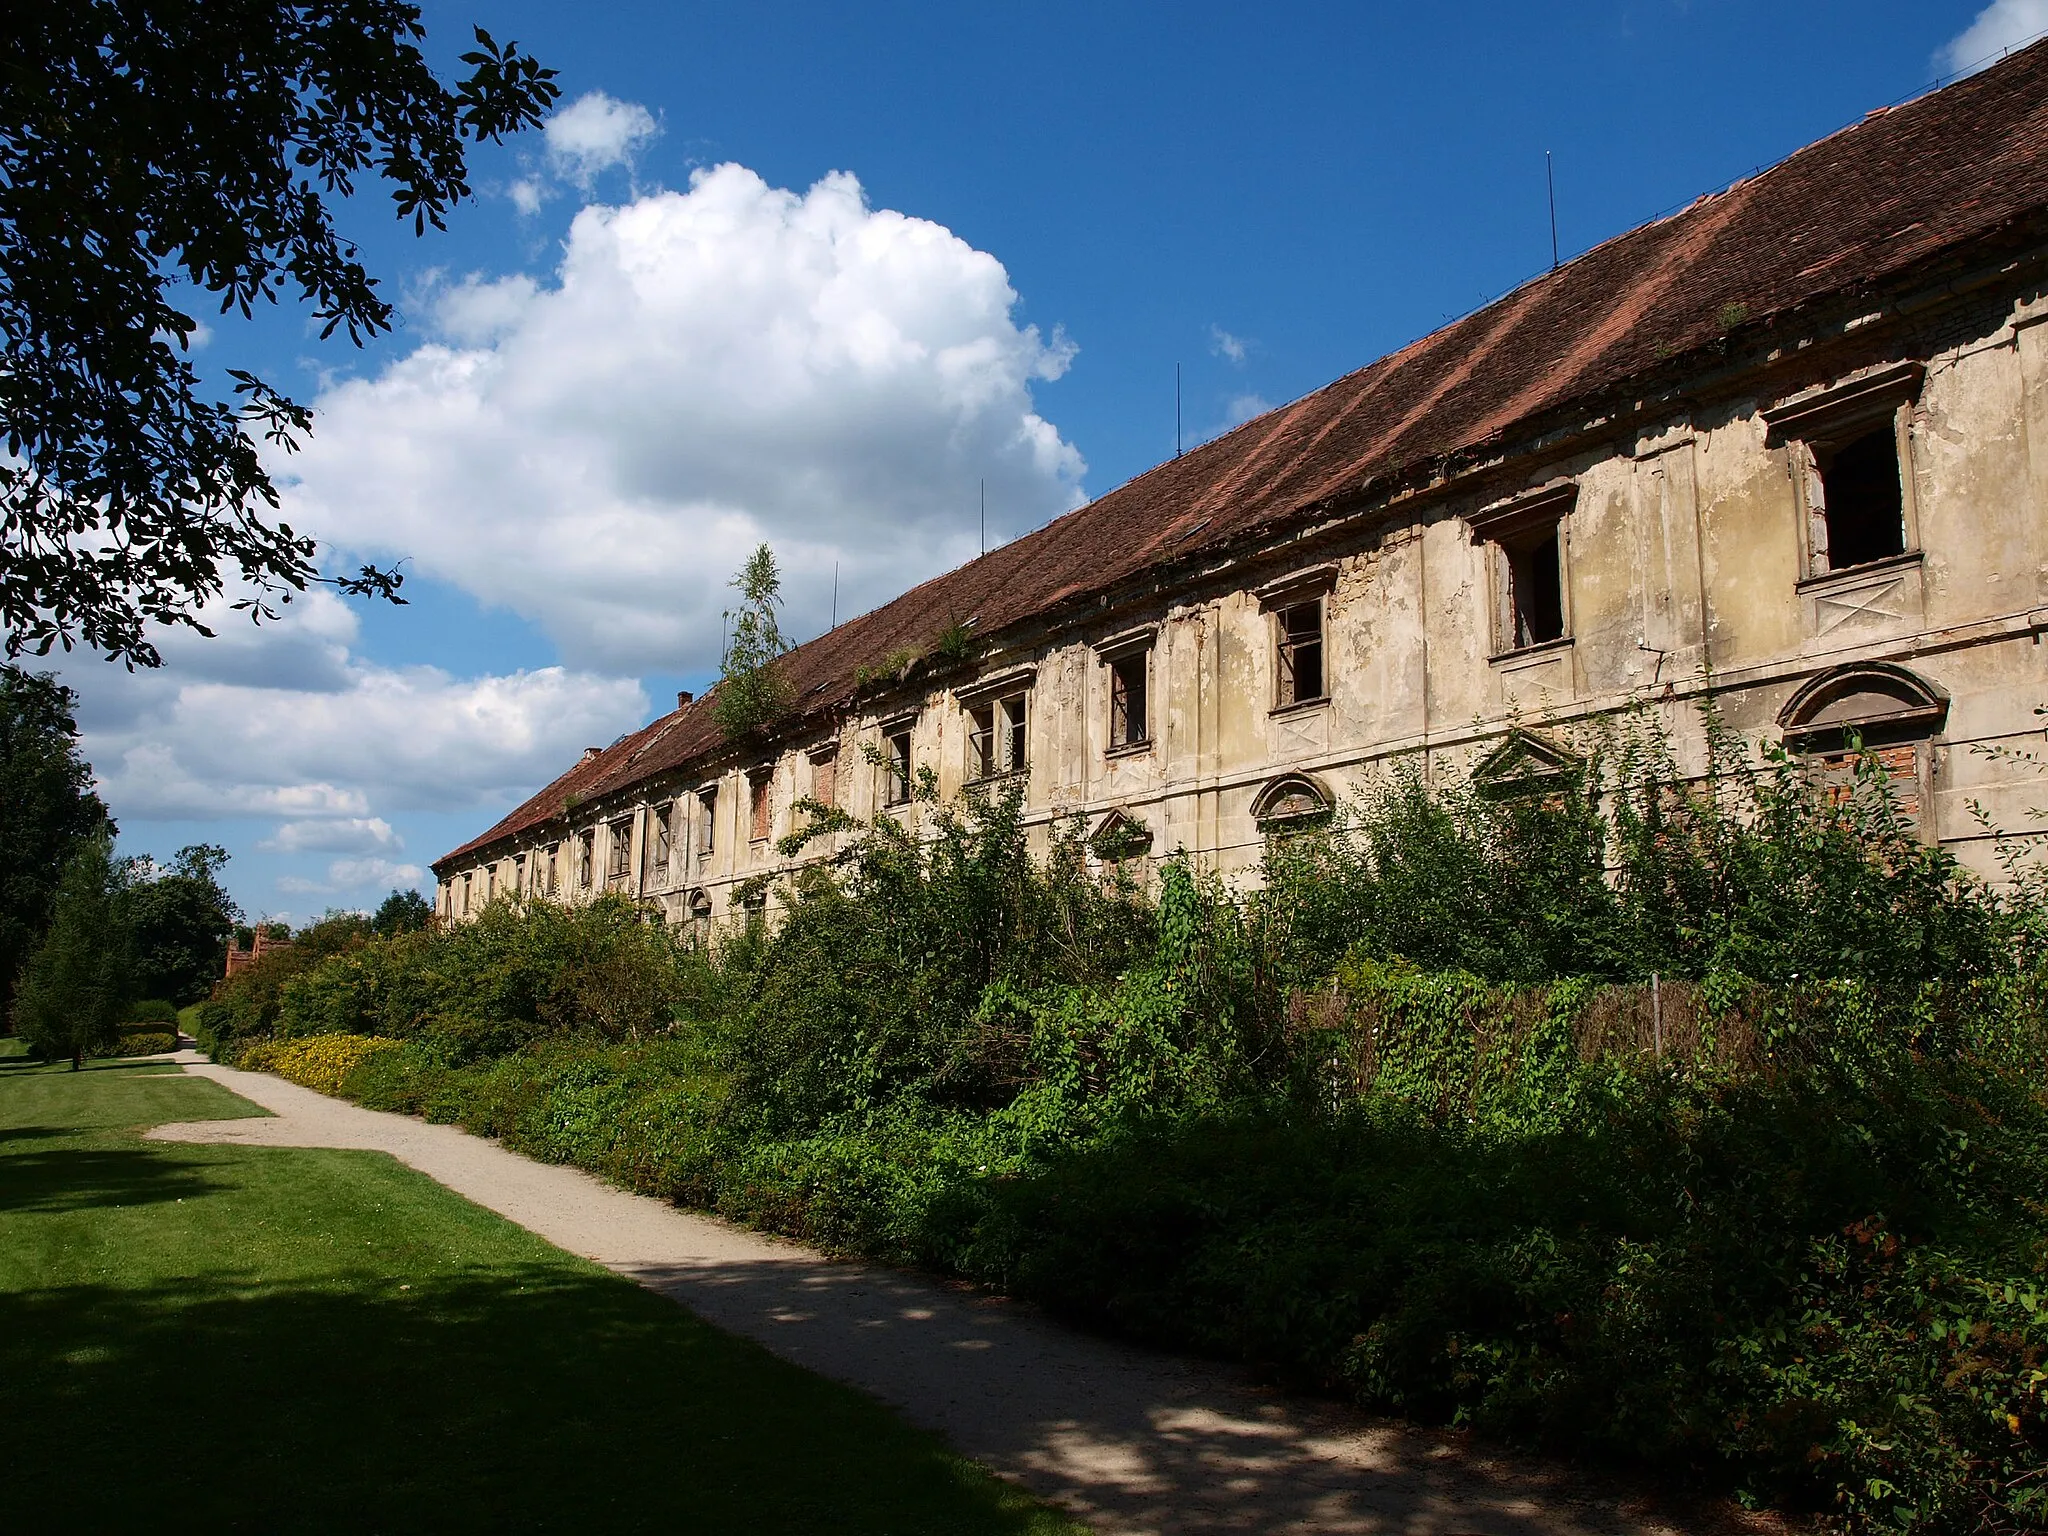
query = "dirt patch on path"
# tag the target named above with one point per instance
(1133, 1441)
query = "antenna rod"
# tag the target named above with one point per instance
(835, 594)
(1550, 181)
(984, 514)
(1176, 410)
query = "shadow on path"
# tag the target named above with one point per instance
(1134, 1440)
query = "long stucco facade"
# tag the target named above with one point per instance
(1616, 487)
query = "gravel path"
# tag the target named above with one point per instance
(1132, 1441)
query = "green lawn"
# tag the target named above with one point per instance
(264, 1339)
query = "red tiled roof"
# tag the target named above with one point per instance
(1867, 203)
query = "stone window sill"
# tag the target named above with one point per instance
(1531, 652)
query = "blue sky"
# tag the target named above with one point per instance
(812, 273)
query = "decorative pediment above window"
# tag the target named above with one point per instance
(1296, 587)
(1119, 836)
(1506, 520)
(1525, 764)
(1875, 701)
(1127, 642)
(1860, 398)
(1009, 680)
(1293, 800)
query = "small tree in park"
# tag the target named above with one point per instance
(75, 989)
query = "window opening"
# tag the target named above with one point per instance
(996, 740)
(465, 895)
(519, 875)
(896, 766)
(622, 850)
(586, 858)
(1128, 714)
(1300, 632)
(757, 790)
(1535, 588)
(1863, 510)
(825, 779)
(658, 841)
(490, 881)
(707, 828)
(548, 875)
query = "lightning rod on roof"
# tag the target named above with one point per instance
(1176, 410)
(984, 515)
(835, 594)
(1550, 184)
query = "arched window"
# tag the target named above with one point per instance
(1292, 802)
(1889, 711)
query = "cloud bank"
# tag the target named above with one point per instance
(2001, 25)
(705, 370)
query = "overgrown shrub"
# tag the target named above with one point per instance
(144, 1042)
(322, 1062)
(153, 1010)
(1695, 1123)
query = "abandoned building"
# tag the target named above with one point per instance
(1789, 444)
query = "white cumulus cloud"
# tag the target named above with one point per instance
(1225, 345)
(2001, 25)
(594, 133)
(705, 370)
(351, 834)
(287, 722)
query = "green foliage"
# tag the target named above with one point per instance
(1701, 1125)
(76, 988)
(153, 1010)
(144, 1042)
(752, 691)
(47, 809)
(892, 667)
(181, 918)
(1624, 869)
(404, 911)
(148, 151)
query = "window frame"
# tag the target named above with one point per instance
(1512, 530)
(897, 776)
(824, 785)
(761, 805)
(707, 807)
(1122, 657)
(618, 863)
(1813, 426)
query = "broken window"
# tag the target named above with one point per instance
(996, 740)
(586, 858)
(465, 895)
(1299, 634)
(621, 864)
(757, 791)
(1860, 514)
(519, 875)
(896, 765)
(548, 875)
(707, 826)
(825, 777)
(1129, 713)
(1532, 608)
(659, 843)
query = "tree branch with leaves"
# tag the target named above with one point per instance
(148, 146)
